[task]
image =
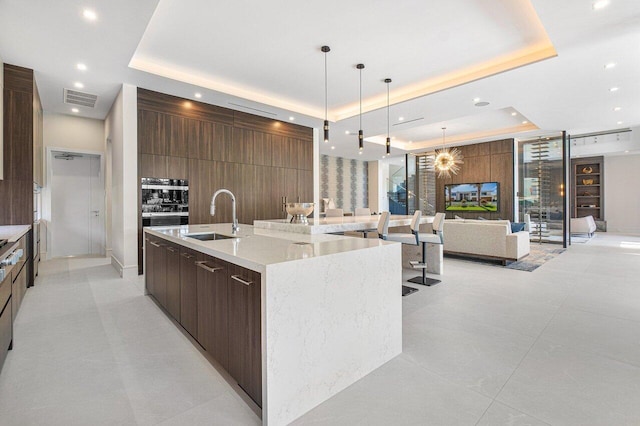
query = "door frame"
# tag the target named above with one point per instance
(48, 185)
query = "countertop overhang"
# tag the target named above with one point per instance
(325, 225)
(255, 248)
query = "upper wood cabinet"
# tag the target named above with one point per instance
(151, 132)
(37, 138)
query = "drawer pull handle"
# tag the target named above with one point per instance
(202, 264)
(187, 255)
(154, 244)
(240, 280)
(171, 249)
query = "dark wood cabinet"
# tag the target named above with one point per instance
(6, 326)
(213, 327)
(175, 136)
(149, 278)
(18, 288)
(173, 281)
(217, 302)
(245, 350)
(189, 291)
(151, 132)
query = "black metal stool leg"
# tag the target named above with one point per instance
(424, 280)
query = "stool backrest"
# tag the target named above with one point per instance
(438, 225)
(334, 213)
(415, 221)
(363, 212)
(383, 225)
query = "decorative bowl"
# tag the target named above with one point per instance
(587, 170)
(587, 181)
(299, 211)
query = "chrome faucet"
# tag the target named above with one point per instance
(234, 226)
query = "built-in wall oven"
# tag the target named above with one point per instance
(165, 202)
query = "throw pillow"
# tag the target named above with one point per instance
(517, 227)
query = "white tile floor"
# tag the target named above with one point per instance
(487, 346)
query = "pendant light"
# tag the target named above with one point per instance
(325, 50)
(448, 160)
(388, 80)
(360, 132)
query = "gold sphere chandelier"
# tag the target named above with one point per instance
(448, 160)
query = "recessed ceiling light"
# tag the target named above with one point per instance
(525, 122)
(89, 15)
(481, 104)
(384, 156)
(400, 118)
(333, 147)
(292, 118)
(81, 66)
(620, 122)
(78, 85)
(359, 152)
(513, 114)
(475, 100)
(600, 4)
(617, 108)
(614, 89)
(198, 95)
(393, 138)
(346, 132)
(627, 151)
(76, 110)
(610, 65)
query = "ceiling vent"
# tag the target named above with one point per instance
(80, 98)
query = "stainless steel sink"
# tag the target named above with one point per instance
(208, 237)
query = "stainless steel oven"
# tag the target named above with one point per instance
(165, 202)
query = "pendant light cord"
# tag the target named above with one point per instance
(326, 89)
(360, 98)
(387, 110)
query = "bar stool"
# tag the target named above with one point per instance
(334, 213)
(435, 238)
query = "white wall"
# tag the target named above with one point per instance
(378, 174)
(76, 134)
(622, 194)
(121, 128)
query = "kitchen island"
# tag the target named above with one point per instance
(294, 318)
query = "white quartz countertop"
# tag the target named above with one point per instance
(255, 248)
(13, 233)
(326, 225)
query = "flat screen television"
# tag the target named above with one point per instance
(472, 197)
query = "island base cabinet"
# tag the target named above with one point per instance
(245, 349)
(189, 291)
(213, 325)
(173, 281)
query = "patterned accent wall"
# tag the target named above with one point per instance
(344, 180)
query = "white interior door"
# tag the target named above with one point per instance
(77, 198)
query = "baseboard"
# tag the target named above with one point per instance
(125, 272)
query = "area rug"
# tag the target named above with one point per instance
(539, 254)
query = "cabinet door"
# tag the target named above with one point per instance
(189, 291)
(6, 331)
(151, 133)
(148, 271)
(245, 347)
(173, 281)
(213, 333)
(18, 290)
(160, 272)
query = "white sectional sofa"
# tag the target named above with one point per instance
(485, 238)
